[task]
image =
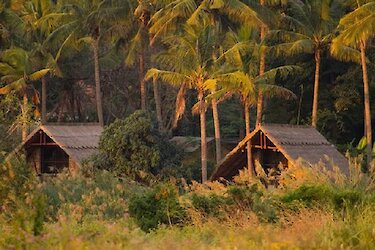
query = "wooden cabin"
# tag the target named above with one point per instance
(275, 145)
(51, 149)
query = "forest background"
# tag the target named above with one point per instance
(72, 47)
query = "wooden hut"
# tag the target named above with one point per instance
(52, 148)
(275, 144)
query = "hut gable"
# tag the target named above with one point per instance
(78, 141)
(50, 148)
(282, 144)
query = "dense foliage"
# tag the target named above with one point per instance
(134, 147)
(236, 63)
(42, 47)
(104, 210)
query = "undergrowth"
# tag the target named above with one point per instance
(312, 208)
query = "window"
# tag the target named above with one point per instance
(54, 160)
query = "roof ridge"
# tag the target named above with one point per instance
(285, 125)
(70, 124)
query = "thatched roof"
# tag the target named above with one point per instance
(294, 142)
(79, 141)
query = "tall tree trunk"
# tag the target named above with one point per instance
(366, 93)
(142, 79)
(159, 115)
(157, 98)
(248, 144)
(202, 114)
(215, 115)
(24, 117)
(98, 92)
(44, 100)
(262, 68)
(316, 88)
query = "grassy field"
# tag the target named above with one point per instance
(318, 210)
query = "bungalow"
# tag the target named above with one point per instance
(275, 144)
(53, 148)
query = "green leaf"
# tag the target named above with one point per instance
(38, 74)
(362, 143)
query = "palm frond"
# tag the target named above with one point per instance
(14, 86)
(180, 105)
(38, 74)
(171, 77)
(293, 48)
(276, 91)
(344, 53)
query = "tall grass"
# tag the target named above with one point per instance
(312, 208)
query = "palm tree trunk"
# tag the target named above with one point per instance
(157, 98)
(142, 80)
(98, 92)
(316, 88)
(366, 93)
(159, 115)
(248, 144)
(215, 114)
(44, 101)
(24, 117)
(262, 68)
(202, 114)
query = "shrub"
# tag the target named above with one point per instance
(134, 147)
(159, 205)
(339, 199)
(103, 196)
(251, 197)
(309, 195)
(210, 205)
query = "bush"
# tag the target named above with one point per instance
(134, 147)
(323, 195)
(310, 195)
(159, 205)
(251, 197)
(210, 205)
(16, 181)
(103, 197)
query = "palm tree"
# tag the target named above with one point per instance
(195, 13)
(356, 29)
(16, 67)
(307, 28)
(40, 19)
(11, 25)
(89, 21)
(142, 42)
(242, 54)
(196, 71)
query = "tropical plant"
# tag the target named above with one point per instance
(198, 70)
(205, 11)
(16, 68)
(89, 22)
(133, 147)
(356, 29)
(307, 27)
(242, 53)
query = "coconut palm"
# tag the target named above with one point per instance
(40, 19)
(139, 45)
(242, 53)
(89, 21)
(16, 68)
(194, 13)
(11, 25)
(307, 27)
(196, 71)
(356, 29)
